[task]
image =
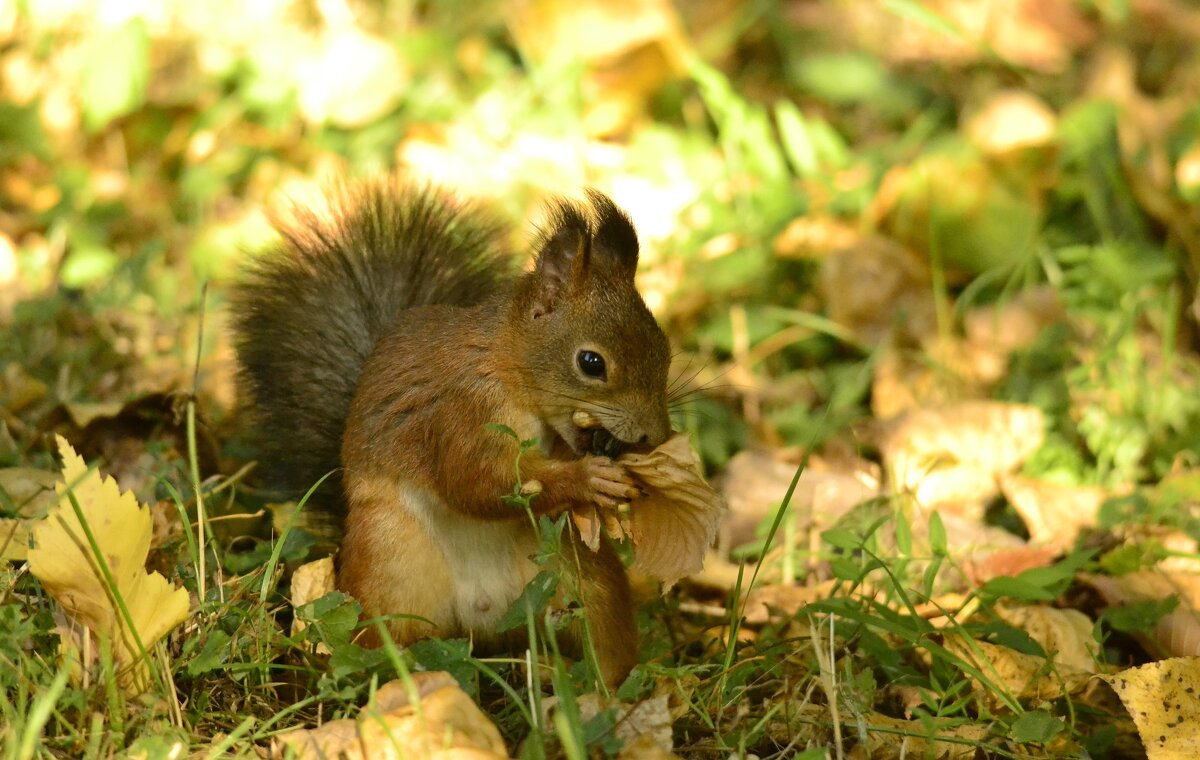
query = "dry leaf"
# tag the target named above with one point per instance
(1161, 698)
(1008, 562)
(1064, 634)
(1053, 513)
(898, 738)
(1012, 120)
(673, 523)
(1022, 675)
(877, 287)
(755, 482)
(66, 564)
(956, 453)
(1177, 632)
(787, 599)
(645, 724)
(629, 48)
(444, 724)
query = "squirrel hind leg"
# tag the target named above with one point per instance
(607, 611)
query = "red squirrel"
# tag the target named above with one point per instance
(380, 340)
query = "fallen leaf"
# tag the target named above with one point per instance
(1177, 632)
(1064, 634)
(646, 724)
(956, 453)
(68, 566)
(629, 49)
(1053, 513)
(1161, 698)
(1012, 120)
(1008, 562)
(878, 288)
(673, 523)
(442, 724)
(889, 738)
(1021, 675)
(755, 482)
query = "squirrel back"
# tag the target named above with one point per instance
(307, 315)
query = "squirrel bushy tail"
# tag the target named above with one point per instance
(307, 315)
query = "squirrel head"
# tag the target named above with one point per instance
(584, 335)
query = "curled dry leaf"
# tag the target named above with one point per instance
(674, 521)
(1162, 700)
(755, 482)
(1177, 632)
(443, 724)
(64, 560)
(956, 453)
(1053, 513)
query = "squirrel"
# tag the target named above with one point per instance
(377, 343)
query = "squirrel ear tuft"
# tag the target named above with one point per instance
(615, 237)
(564, 256)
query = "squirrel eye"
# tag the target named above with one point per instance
(592, 364)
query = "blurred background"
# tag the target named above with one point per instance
(848, 208)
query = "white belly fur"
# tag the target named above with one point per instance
(488, 559)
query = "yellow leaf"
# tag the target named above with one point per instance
(70, 569)
(443, 724)
(1161, 698)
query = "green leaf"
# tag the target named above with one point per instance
(937, 536)
(1141, 616)
(532, 601)
(87, 264)
(496, 427)
(116, 66)
(331, 619)
(351, 659)
(793, 133)
(1036, 726)
(1040, 584)
(450, 655)
(840, 538)
(212, 655)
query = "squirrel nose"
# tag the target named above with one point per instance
(657, 433)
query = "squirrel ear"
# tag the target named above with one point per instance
(564, 256)
(615, 236)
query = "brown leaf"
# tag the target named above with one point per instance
(674, 522)
(877, 287)
(1177, 632)
(755, 482)
(956, 453)
(1009, 562)
(443, 724)
(1053, 513)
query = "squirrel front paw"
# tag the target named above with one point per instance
(609, 485)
